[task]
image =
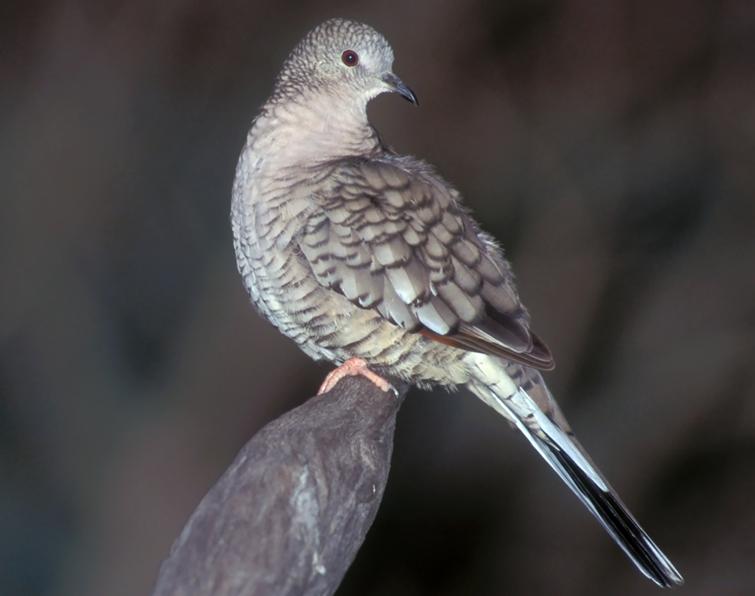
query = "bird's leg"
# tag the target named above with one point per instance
(350, 368)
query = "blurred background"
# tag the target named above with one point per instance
(610, 146)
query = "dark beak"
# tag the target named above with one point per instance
(398, 86)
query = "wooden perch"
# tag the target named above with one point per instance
(290, 513)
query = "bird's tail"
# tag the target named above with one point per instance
(527, 403)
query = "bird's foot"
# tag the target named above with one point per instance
(353, 367)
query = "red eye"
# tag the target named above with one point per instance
(350, 58)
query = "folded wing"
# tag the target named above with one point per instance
(391, 236)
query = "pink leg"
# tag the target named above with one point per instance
(350, 368)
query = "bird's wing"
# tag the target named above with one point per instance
(393, 238)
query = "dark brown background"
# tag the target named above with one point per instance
(609, 145)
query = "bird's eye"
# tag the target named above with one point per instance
(350, 58)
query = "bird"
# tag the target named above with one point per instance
(370, 260)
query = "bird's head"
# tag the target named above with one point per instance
(345, 59)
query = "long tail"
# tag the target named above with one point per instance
(537, 416)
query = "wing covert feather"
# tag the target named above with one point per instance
(390, 235)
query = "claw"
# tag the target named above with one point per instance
(353, 367)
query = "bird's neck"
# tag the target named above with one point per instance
(312, 129)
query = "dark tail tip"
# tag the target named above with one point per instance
(621, 525)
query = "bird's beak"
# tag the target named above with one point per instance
(397, 85)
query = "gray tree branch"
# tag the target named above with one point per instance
(290, 513)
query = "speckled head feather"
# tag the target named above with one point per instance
(316, 64)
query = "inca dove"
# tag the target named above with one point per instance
(356, 252)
